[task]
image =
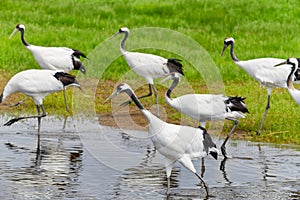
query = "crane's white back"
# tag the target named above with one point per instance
(54, 58)
(202, 107)
(263, 71)
(35, 83)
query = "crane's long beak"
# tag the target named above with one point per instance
(115, 93)
(75, 84)
(223, 50)
(169, 77)
(14, 32)
(282, 63)
(82, 69)
(114, 35)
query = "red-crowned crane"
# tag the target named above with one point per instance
(262, 70)
(208, 107)
(148, 66)
(37, 83)
(174, 142)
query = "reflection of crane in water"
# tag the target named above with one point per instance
(148, 177)
(223, 169)
(264, 162)
(54, 169)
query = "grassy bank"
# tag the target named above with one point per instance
(261, 29)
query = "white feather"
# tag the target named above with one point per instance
(34, 83)
(55, 58)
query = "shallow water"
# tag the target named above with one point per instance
(83, 160)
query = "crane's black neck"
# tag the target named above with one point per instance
(233, 56)
(135, 100)
(122, 46)
(23, 38)
(174, 84)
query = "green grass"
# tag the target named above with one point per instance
(264, 28)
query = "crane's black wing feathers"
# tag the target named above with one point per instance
(78, 53)
(174, 65)
(236, 104)
(65, 78)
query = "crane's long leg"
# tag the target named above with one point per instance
(202, 167)
(149, 94)
(266, 111)
(168, 179)
(20, 102)
(169, 166)
(187, 163)
(10, 122)
(156, 99)
(205, 185)
(39, 129)
(65, 98)
(223, 147)
(39, 125)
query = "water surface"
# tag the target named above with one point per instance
(84, 160)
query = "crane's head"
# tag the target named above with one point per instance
(121, 30)
(19, 27)
(227, 42)
(124, 30)
(122, 87)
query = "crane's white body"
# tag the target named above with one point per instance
(54, 58)
(207, 107)
(175, 142)
(203, 107)
(36, 83)
(146, 65)
(262, 70)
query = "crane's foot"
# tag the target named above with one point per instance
(10, 122)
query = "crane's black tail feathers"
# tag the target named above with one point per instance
(1, 98)
(208, 144)
(78, 53)
(66, 79)
(174, 65)
(236, 104)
